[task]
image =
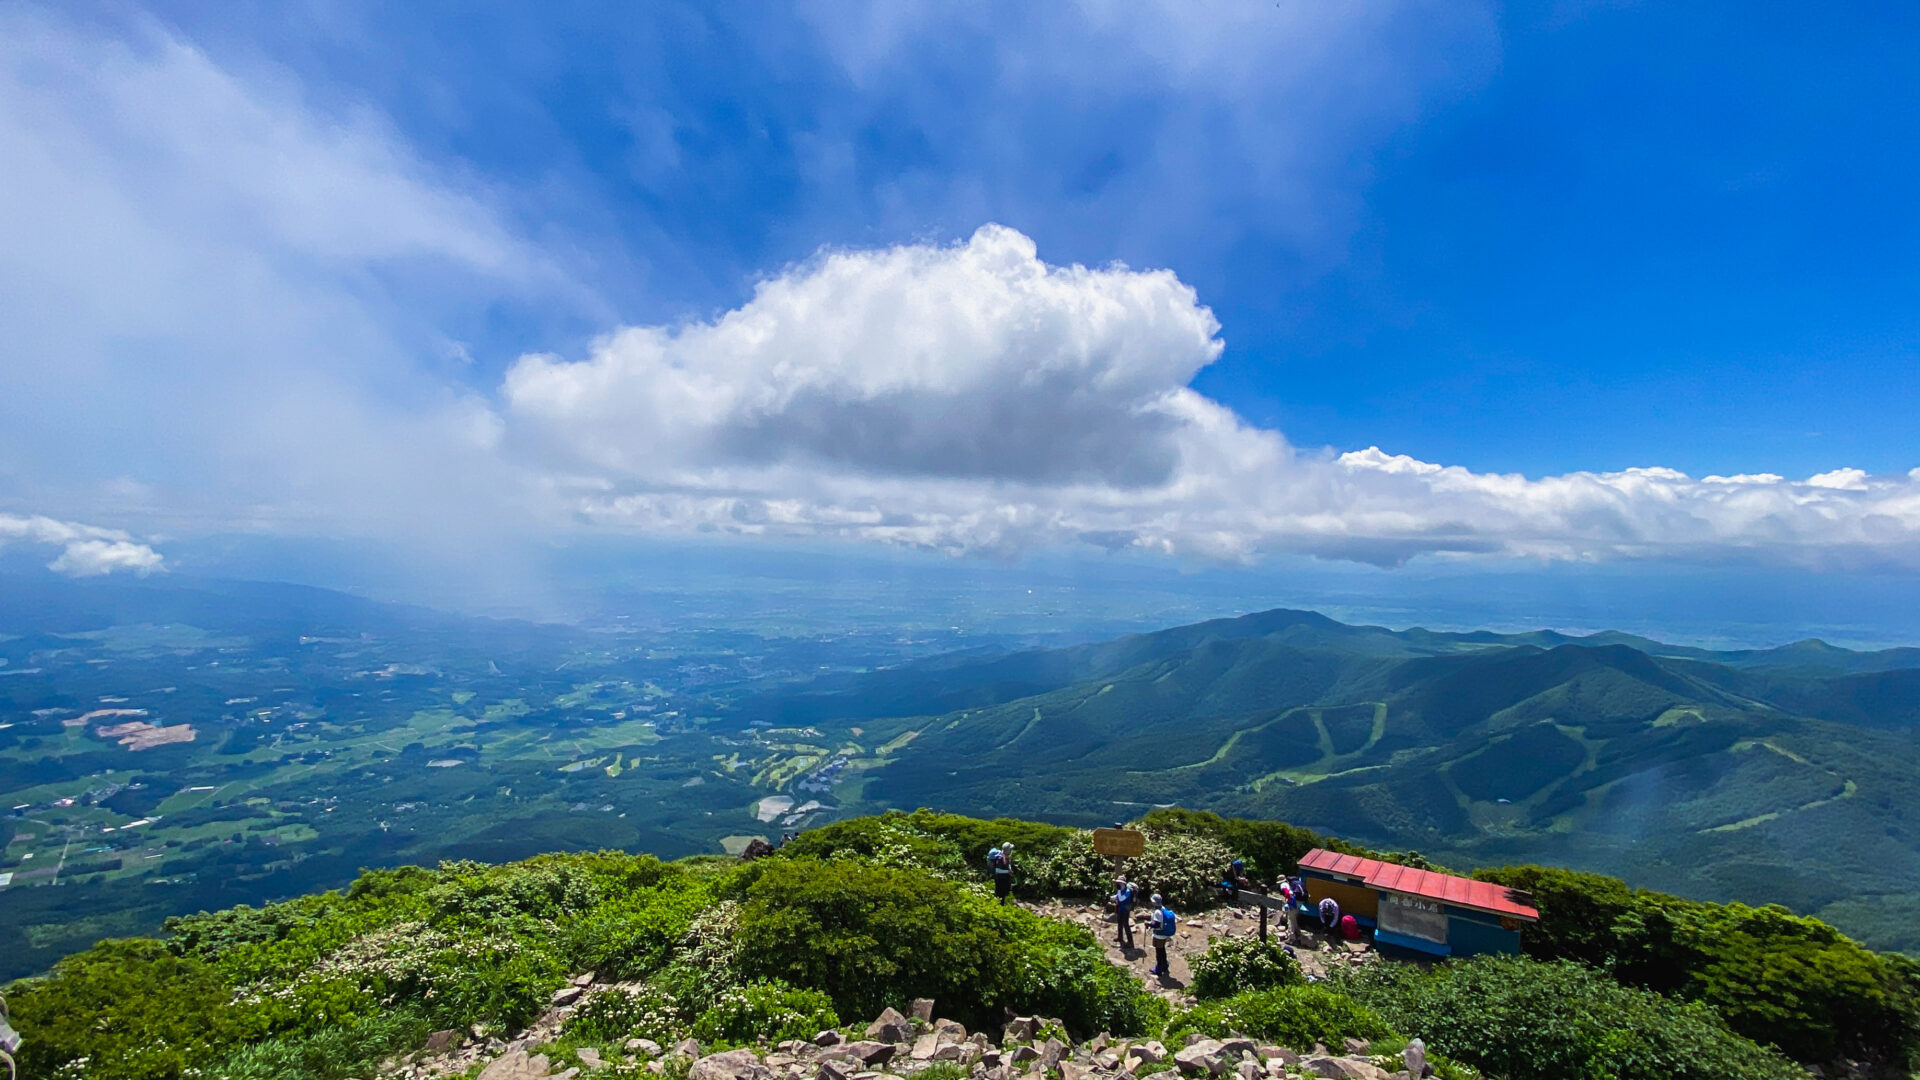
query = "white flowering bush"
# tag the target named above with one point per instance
(642, 1011)
(765, 1012)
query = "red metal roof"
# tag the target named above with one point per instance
(1459, 891)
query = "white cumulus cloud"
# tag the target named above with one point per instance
(971, 397)
(86, 550)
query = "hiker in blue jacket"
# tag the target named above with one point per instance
(1164, 923)
(1123, 911)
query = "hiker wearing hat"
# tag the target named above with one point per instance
(1001, 860)
(1123, 911)
(1163, 922)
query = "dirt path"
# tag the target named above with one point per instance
(1314, 952)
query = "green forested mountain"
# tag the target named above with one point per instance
(1786, 775)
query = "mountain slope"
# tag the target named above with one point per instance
(1759, 782)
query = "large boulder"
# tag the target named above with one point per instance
(922, 1010)
(442, 1041)
(731, 1065)
(567, 995)
(1200, 1058)
(890, 1026)
(867, 1051)
(1344, 1068)
(1019, 1029)
(1148, 1053)
(516, 1065)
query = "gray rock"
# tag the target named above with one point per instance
(687, 1048)
(890, 1026)
(870, 1052)
(1344, 1068)
(1073, 1071)
(516, 1065)
(925, 1046)
(1250, 1069)
(1235, 1049)
(583, 980)
(1147, 1053)
(829, 1037)
(1019, 1029)
(731, 1065)
(442, 1041)
(589, 1057)
(1200, 1058)
(644, 1046)
(566, 995)
(1024, 1053)
(834, 1070)
(950, 1030)
(1358, 1047)
(922, 1010)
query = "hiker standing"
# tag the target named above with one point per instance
(1164, 923)
(1001, 860)
(1123, 911)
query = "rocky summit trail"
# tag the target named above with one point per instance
(900, 1046)
(897, 1047)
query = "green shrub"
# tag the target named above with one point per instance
(1272, 849)
(1295, 1016)
(633, 934)
(330, 1053)
(1527, 1020)
(131, 1009)
(871, 936)
(1232, 965)
(1775, 977)
(765, 1012)
(1183, 868)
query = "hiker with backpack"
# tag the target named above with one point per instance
(1123, 911)
(1000, 860)
(1164, 923)
(1234, 881)
(1329, 914)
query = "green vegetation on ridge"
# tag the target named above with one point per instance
(872, 912)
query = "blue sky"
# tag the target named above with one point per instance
(309, 270)
(1562, 236)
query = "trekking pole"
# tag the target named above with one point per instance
(9, 1041)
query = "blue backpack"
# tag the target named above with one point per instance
(1124, 897)
(1168, 923)
(997, 859)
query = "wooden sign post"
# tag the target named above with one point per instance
(1120, 845)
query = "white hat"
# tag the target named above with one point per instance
(1156, 898)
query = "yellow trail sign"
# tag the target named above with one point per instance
(1124, 843)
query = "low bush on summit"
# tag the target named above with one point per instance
(1293, 1016)
(1232, 965)
(1526, 1020)
(765, 1012)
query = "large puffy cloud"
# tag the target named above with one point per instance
(971, 397)
(85, 550)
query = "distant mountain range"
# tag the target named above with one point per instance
(1786, 775)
